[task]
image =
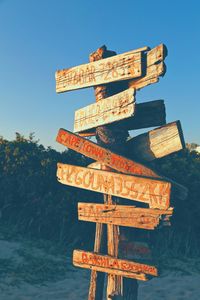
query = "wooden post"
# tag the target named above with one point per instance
(113, 138)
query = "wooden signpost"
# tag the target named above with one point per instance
(116, 78)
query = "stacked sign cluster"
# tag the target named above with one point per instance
(125, 177)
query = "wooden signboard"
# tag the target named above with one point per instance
(105, 156)
(157, 143)
(112, 265)
(105, 111)
(123, 215)
(147, 114)
(120, 67)
(155, 67)
(154, 192)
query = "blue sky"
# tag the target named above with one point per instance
(41, 36)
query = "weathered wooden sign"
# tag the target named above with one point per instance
(105, 156)
(157, 143)
(123, 215)
(120, 67)
(154, 192)
(155, 67)
(112, 265)
(106, 111)
(147, 114)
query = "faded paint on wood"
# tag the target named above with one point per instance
(112, 265)
(105, 111)
(105, 156)
(147, 114)
(157, 143)
(154, 192)
(119, 67)
(155, 67)
(123, 215)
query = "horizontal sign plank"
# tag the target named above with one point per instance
(119, 67)
(154, 192)
(156, 143)
(105, 156)
(147, 114)
(123, 215)
(106, 111)
(111, 265)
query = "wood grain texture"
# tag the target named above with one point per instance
(155, 193)
(123, 215)
(120, 67)
(147, 114)
(157, 143)
(153, 69)
(105, 156)
(112, 265)
(109, 110)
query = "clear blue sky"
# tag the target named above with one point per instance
(39, 37)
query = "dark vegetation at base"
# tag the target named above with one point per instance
(35, 205)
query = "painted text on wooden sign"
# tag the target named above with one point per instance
(154, 192)
(106, 111)
(120, 67)
(111, 265)
(105, 156)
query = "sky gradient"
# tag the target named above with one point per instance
(41, 36)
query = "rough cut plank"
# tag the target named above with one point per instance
(157, 143)
(154, 192)
(147, 114)
(123, 215)
(155, 67)
(112, 265)
(105, 111)
(105, 156)
(152, 76)
(119, 67)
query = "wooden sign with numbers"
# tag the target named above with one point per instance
(111, 265)
(123, 215)
(120, 67)
(154, 192)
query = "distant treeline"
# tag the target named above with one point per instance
(34, 204)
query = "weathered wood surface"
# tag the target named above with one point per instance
(147, 114)
(112, 265)
(120, 67)
(134, 250)
(155, 193)
(156, 143)
(123, 215)
(105, 156)
(155, 67)
(105, 111)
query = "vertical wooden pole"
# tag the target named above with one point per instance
(113, 138)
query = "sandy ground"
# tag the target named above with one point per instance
(28, 272)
